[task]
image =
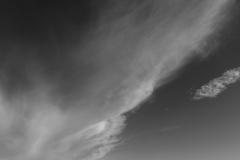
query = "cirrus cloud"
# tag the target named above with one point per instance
(65, 85)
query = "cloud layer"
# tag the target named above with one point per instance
(69, 71)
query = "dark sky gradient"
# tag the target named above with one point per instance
(171, 126)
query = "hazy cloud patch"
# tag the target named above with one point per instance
(218, 85)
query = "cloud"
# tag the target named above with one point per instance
(218, 85)
(68, 74)
(91, 143)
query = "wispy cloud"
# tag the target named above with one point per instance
(65, 102)
(91, 143)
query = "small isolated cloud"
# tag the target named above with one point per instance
(218, 85)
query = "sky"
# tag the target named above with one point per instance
(172, 126)
(115, 80)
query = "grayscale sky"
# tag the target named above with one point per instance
(115, 79)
